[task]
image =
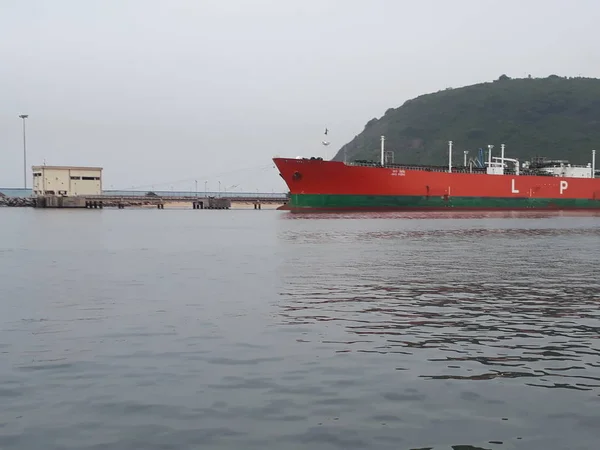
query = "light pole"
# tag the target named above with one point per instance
(24, 116)
(196, 188)
(205, 189)
(219, 189)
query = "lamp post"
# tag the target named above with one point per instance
(205, 189)
(196, 188)
(24, 116)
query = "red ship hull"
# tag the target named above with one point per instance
(316, 184)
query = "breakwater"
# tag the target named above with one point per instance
(16, 201)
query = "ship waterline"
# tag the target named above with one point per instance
(411, 203)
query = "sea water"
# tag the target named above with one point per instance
(187, 329)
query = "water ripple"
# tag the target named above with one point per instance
(383, 331)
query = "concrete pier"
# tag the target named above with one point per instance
(94, 204)
(122, 202)
(211, 203)
(54, 201)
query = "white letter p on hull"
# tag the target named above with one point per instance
(563, 186)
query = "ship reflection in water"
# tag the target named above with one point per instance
(482, 330)
(515, 214)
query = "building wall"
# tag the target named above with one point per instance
(67, 180)
(55, 181)
(85, 182)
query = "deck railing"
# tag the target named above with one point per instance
(457, 169)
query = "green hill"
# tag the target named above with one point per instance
(556, 117)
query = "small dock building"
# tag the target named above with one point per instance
(68, 181)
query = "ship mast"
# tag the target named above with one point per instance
(382, 150)
(593, 163)
(450, 156)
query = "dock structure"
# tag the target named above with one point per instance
(82, 187)
(122, 202)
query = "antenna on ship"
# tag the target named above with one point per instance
(382, 150)
(593, 163)
(450, 156)
(325, 142)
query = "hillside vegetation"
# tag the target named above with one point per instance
(556, 117)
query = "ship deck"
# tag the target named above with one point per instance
(455, 169)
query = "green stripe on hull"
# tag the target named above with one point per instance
(328, 201)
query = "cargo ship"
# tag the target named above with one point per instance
(492, 183)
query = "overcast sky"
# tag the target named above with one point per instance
(164, 92)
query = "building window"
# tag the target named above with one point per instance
(75, 178)
(90, 178)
